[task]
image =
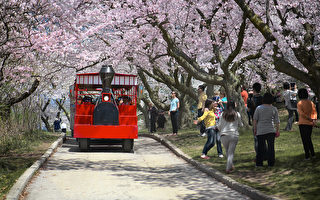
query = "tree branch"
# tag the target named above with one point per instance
(256, 21)
(63, 108)
(25, 95)
(233, 54)
(185, 61)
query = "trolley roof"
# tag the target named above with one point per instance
(118, 79)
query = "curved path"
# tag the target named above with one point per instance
(151, 172)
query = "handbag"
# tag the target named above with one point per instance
(277, 134)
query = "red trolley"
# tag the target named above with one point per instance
(104, 106)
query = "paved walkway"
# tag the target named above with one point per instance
(151, 172)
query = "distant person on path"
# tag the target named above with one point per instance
(174, 112)
(209, 119)
(63, 127)
(153, 113)
(56, 124)
(266, 125)
(161, 119)
(287, 95)
(201, 101)
(228, 126)
(307, 120)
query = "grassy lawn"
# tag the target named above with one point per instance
(12, 165)
(292, 177)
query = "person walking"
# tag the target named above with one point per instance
(244, 95)
(64, 127)
(218, 112)
(307, 119)
(293, 100)
(56, 124)
(266, 126)
(153, 113)
(250, 104)
(256, 101)
(288, 95)
(228, 126)
(201, 101)
(173, 112)
(209, 118)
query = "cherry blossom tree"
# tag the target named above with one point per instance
(17, 23)
(199, 36)
(291, 29)
(218, 42)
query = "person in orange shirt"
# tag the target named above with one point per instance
(307, 119)
(244, 95)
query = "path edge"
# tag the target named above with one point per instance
(17, 189)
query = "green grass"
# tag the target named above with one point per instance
(292, 177)
(30, 148)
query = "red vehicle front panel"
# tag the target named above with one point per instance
(110, 132)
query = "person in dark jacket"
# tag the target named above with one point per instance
(153, 113)
(256, 101)
(56, 124)
(161, 119)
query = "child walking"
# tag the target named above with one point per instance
(228, 127)
(209, 119)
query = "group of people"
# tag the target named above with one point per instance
(306, 115)
(156, 117)
(59, 125)
(219, 120)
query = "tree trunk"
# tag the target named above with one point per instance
(144, 110)
(185, 115)
(61, 107)
(45, 120)
(210, 90)
(233, 92)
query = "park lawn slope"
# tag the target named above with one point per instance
(30, 148)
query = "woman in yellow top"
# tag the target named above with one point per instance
(307, 119)
(209, 119)
(201, 101)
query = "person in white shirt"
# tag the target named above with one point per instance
(228, 125)
(288, 95)
(64, 127)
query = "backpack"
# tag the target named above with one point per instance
(293, 100)
(253, 103)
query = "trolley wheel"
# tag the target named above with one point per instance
(127, 145)
(83, 144)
